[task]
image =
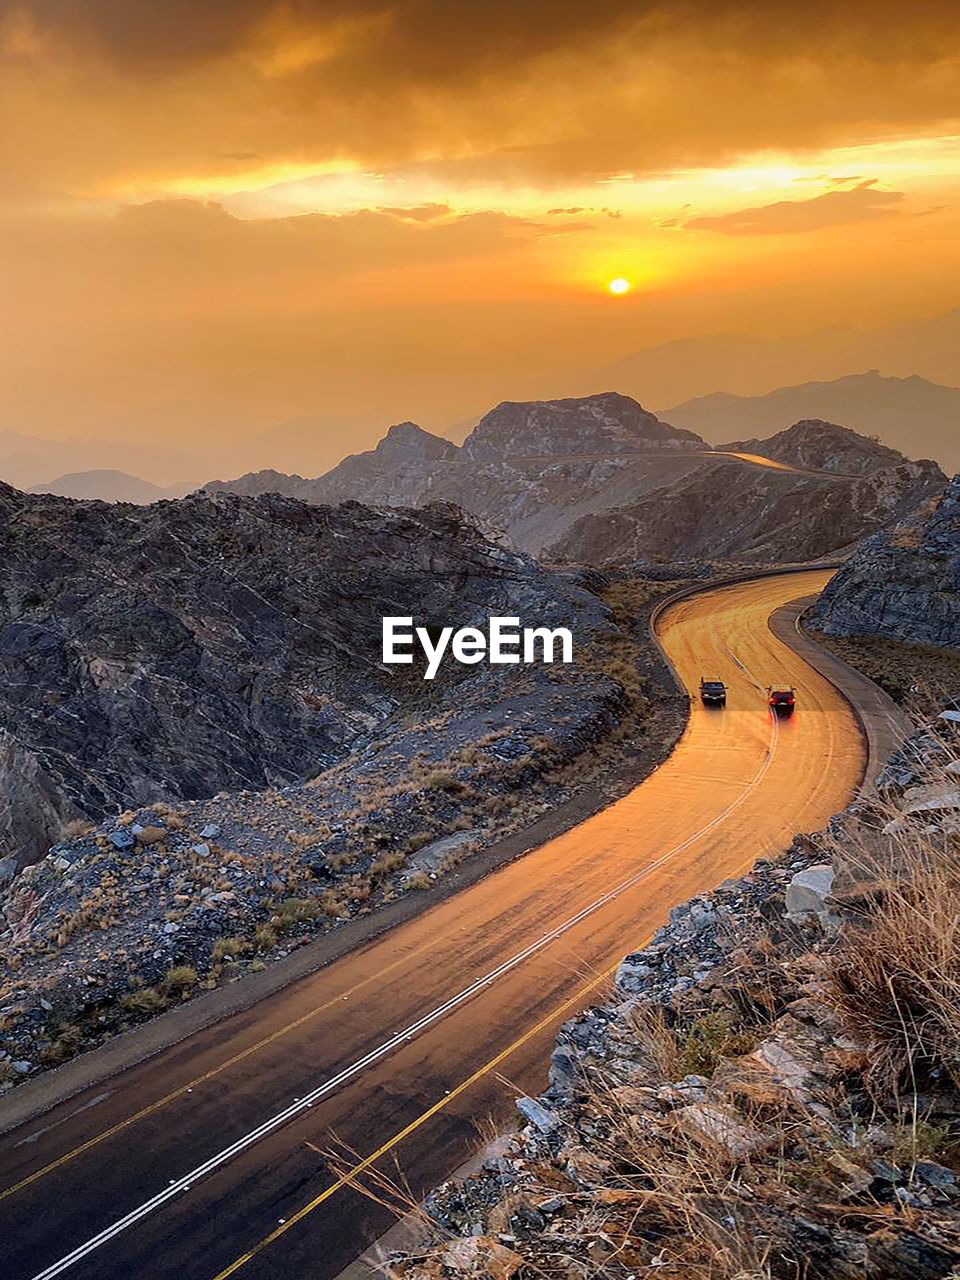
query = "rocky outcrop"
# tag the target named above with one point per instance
(822, 446)
(398, 472)
(903, 584)
(170, 652)
(609, 423)
(725, 510)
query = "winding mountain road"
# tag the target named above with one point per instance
(201, 1162)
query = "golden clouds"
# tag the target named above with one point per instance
(164, 95)
(220, 208)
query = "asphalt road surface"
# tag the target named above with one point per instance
(207, 1160)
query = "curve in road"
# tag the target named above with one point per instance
(203, 1161)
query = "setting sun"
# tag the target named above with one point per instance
(620, 285)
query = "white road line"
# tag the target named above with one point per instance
(281, 1118)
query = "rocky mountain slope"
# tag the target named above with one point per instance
(915, 415)
(537, 470)
(127, 917)
(902, 583)
(170, 652)
(724, 510)
(526, 468)
(815, 445)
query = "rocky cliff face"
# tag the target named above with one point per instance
(217, 643)
(904, 583)
(816, 445)
(725, 510)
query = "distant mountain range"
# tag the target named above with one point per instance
(909, 414)
(27, 461)
(594, 478)
(744, 364)
(111, 486)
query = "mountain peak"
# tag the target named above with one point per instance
(408, 441)
(818, 445)
(605, 423)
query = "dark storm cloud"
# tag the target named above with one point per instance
(436, 37)
(443, 39)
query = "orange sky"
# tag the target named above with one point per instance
(220, 216)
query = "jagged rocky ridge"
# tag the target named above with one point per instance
(600, 477)
(904, 583)
(728, 510)
(166, 653)
(608, 423)
(816, 445)
(717, 1115)
(527, 468)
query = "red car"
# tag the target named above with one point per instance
(781, 697)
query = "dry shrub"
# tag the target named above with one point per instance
(896, 978)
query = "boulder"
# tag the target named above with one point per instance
(809, 891)
(715, 1126)
(538, 1115)
(935, 797)
(482, 1257)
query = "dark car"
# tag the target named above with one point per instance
(781, 698)
(713, 692)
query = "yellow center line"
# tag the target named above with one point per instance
(348, 1178)
(207, 1075)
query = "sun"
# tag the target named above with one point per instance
(620, 285)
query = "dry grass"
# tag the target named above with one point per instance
(919, 678)
(897, 977)
(180, 978)
(229, 949)
(75, 829)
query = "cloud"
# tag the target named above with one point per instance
(477, 90)
(788, 217)
(418, 213)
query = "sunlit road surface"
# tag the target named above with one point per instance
(771, 463)
(220, 1180)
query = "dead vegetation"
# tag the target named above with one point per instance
(915, 676)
